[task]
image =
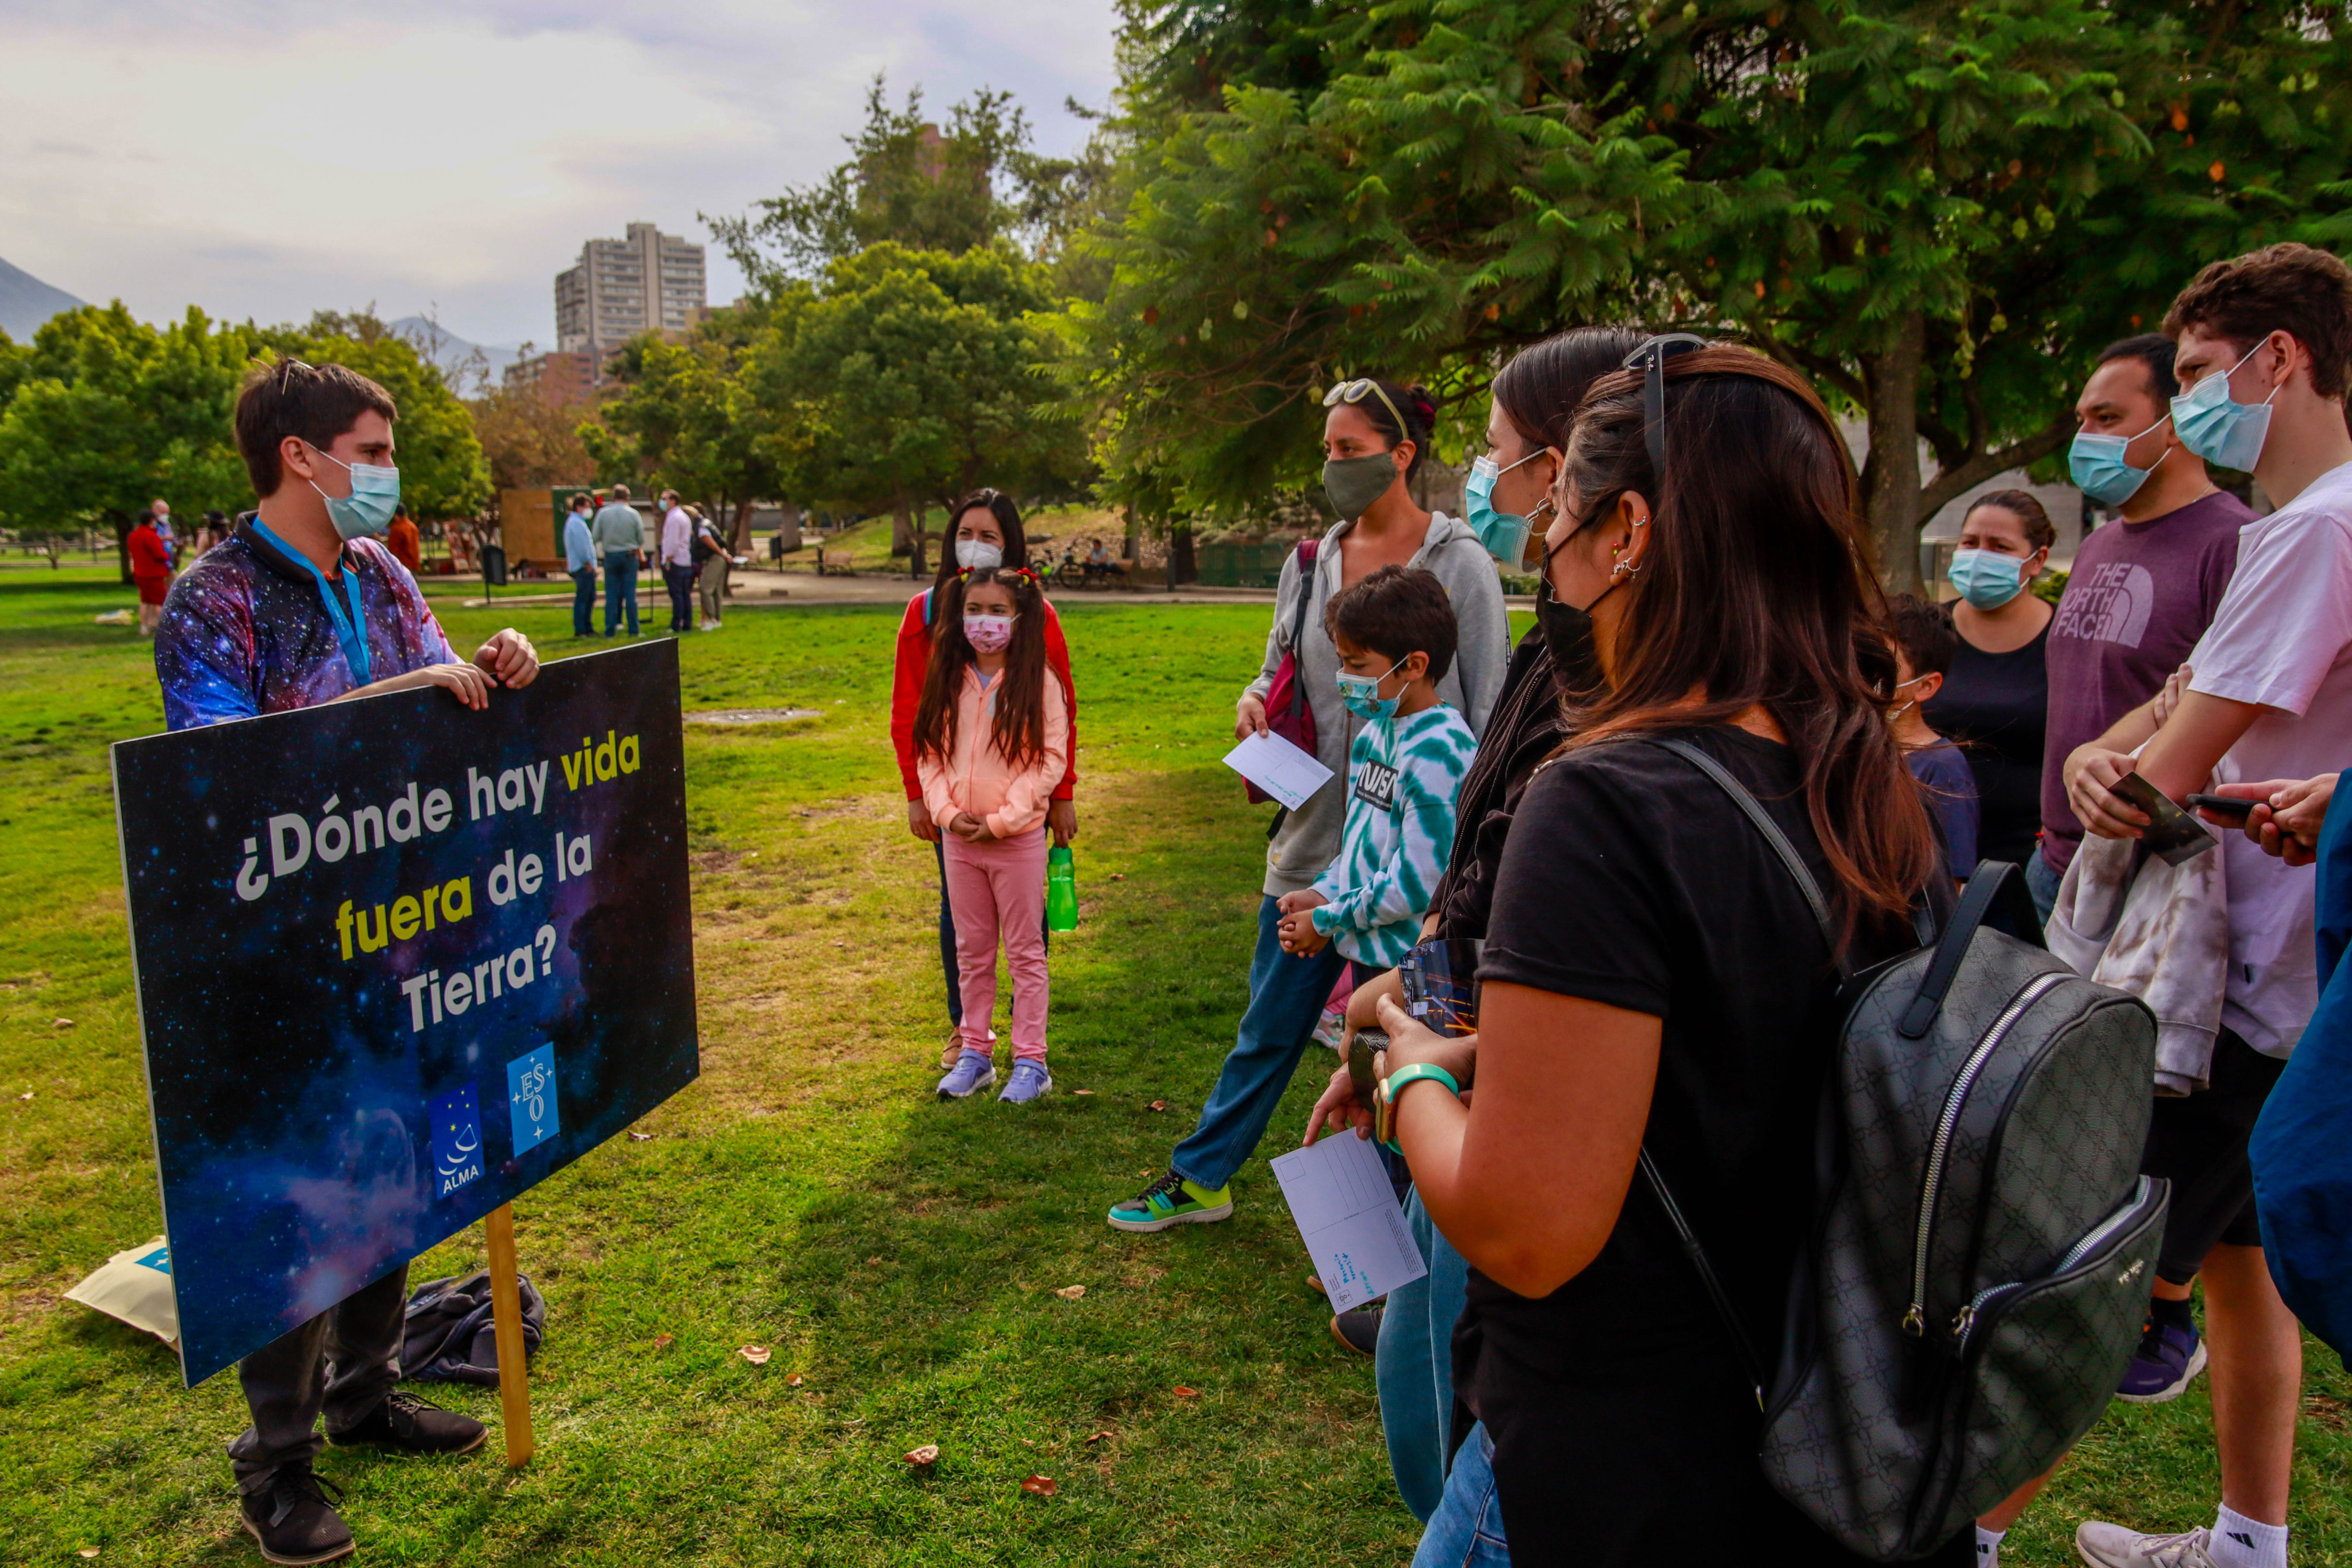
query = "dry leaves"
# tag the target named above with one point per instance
(663, 1341)
(1085, 1091)
(873, 1263)
(756, 1354)
(641, 1137)
(1184, 1393)
(1071, 1292)
(928, 1454)
(794, 1381)
(1099, 1437)
(1159, 1105)
(86, 1551)
(1118, 876)
(26, 1095)
(1042, 1485)
(68, 1024)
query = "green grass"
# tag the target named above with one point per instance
(807, 1193)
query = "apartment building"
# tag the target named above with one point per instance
(650, 282)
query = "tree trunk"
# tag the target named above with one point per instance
(1133, 549)
(789, 523)
(1890, 478)
(121, 522)
(902, 528)
(917, 536)
(1182, 568)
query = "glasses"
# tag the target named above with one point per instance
(1651, 359)
(1363, 387)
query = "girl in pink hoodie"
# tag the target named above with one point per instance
(990, 746)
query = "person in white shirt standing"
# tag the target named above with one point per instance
(678, 561)
(2265, 354)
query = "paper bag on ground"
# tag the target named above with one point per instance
(135, 1287)
(1349, 1217)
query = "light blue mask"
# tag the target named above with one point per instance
(1987, 578)
(2216, 427)
(367, 510)
(2097, 467)
(1503, 533)
(1361, 695)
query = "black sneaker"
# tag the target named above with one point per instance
(414, 1426)
(292, 1519)
(1359, 1330)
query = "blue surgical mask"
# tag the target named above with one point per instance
(2216, 427)
(367, 510)
(1503, 533)
(1362, 694)
(2097, 467)
(1987, 578)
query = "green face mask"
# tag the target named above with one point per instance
(1355, 483)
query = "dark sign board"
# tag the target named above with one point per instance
(398, 960)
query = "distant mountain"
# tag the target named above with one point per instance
(455, 354)
(26, 302)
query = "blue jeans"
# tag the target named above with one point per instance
(584, 602)
(1467, 1529)
(947, 940)
(2043, 883)
(1413, 1366)
(1287, 997)
(679, 580)
(620, 588)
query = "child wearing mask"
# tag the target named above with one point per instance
(1395, 634)
(1924, 645)
(990, 744)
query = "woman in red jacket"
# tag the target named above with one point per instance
(151, 569)
(987, 532)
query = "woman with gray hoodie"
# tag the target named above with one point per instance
(1374, 439)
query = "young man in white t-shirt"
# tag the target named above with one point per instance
(2265, 350)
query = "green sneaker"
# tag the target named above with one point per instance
(1171, 1200)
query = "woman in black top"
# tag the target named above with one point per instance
(1995, 699)
(1651, 976)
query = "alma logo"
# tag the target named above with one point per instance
(457, 1122)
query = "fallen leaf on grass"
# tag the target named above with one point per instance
(86, 1551)
(1184, 1393)
(1118, 876)
(1099, 1437)
(641, 1137)
(62, 1023)
(26, 1095)
(928, 1454)
(756, 1354)
(1159, 1105)
(873, 1262)
(1085, 1091)
(1042, 1485)
(794, 1381)
(663, 1341)
(1071, 1292)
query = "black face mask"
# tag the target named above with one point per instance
(1568, 631)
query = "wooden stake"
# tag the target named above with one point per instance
(506, 1316)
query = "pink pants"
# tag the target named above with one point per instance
(996, 890)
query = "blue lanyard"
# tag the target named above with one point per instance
(350, 626)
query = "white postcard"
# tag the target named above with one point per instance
(1349, 1217)
(1279, 768)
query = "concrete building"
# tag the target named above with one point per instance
(565, 380)
(650, 282)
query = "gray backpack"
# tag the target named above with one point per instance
(1983, 1241)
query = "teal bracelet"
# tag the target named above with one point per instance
(1396, 1082)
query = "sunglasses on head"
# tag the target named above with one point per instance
(1651, 359)
(1356, 391)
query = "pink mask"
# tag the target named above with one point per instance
(989, 634)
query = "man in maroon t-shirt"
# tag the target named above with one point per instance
(2143, 589)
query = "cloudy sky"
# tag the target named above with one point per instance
(263, 158)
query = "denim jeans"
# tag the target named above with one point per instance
(584, 602)
(620, 588)
(1413, 1366)
(1467, 1529)
(2043, 883)
(948, 940)
(1287, 997)
(679, 580)
(342, 1363)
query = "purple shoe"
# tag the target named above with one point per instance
(2168, 1358)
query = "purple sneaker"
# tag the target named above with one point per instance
(2161, 1368)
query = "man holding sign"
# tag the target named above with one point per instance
(300, 607)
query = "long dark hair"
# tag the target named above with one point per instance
(1540, 388)
(1020, 731)
(1756, 589)
(1008, 518)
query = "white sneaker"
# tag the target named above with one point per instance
(2113, 1546)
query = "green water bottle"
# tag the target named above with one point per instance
(1061, 890)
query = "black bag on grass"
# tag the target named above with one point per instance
(447, 1336)
(1983, 1242)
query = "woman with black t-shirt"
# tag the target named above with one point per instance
(1995, 699)
(1653, 977)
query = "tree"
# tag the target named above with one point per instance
(529, 441)
(1936, 210)
(928, 374)
(679, 422)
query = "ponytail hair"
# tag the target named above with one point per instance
(1020, 730)
(1418, 409)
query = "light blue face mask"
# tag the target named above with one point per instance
(1361, 695)
(1503, 533)
(1987, 578)
(2216, 427)
(2097, 467)
(367, 510)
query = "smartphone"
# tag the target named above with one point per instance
(2223, 806)
(2171, 832)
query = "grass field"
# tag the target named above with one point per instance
(807, 1193)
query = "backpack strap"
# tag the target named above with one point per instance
(1308, 551)
(1993, 879)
